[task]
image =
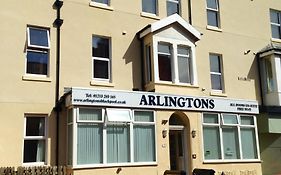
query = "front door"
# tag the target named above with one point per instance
(177, 152)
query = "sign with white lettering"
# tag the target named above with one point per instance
(148, 100)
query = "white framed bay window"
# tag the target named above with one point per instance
(174, 62)
(230, 137)
(110, 137)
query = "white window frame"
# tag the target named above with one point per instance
(37, 48)
(104, 121)
(148, 13)
(276, 24)
(222, 90)
(100, 3)
(238, 126)
(45, 137)
(108, 60)
(216, 10)
(174, 63)
(175, 2)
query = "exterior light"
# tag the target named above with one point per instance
(193, 133)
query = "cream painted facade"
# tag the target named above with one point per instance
(244, 30)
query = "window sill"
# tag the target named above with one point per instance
(100, 83)
(213, 28)
(176, 84)
(36, 78)
(101, 6)
(276, 40)
(218, 94)
(77, 167)
(231, 161)
(149, 15)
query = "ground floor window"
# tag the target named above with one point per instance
(230, 137)
(34, 139)
(99, 136)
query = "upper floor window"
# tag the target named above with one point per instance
(174, 62)
(37, 52)
(173, 6)
(35, 140)
(149, 6)
(213, 13)
(275, 20)
(230, 137)
(216, 72)
(101, 58)
(106, 2)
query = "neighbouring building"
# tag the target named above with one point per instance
(141, 86)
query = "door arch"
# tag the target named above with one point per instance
(179, 142)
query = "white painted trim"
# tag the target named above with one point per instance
(175, 18)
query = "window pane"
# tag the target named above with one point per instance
(148, 64)
(184, 69)
(38, 37)
(144, 116)
(275, 30)
(102, 1)
(212, 4)
(118, 144)
(247, 120)
(70, 116)
(172, 8)
(37, 63)
(35, 126)
(216, 82)
(215, 63)
(164, 62)
(144, 143)
(230, 119)
(211, 138)
(211, 118)
(100, 47)
(248, 140)
(90, 114)
(149, 6)
(117, 115)
(164, 66)
(269, 75)
(212, 18)
(69, 144)
(164, 48)
(230, 143)
(274, 17)
(34, 151)
(89, 144)
(101, 69)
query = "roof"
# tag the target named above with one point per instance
(175, 18)
(272, 47)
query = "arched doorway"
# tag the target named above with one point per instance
(179, 143)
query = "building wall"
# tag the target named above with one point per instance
(22, 95)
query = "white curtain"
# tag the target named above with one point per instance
(118, 144)
(230, 143)
(212, 149)
(248, 141)
(40, 155)
(89, 144)
(144, 146)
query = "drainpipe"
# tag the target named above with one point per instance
(189, 12)
(57, 23)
